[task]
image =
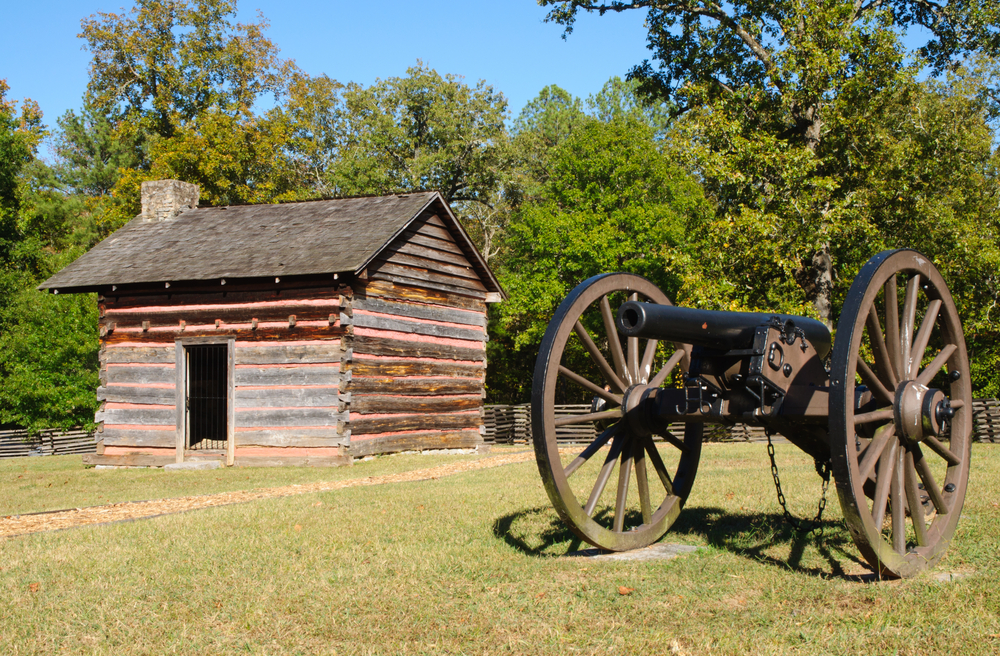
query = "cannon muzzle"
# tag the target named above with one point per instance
(723, 331)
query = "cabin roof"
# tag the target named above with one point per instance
(250, 241)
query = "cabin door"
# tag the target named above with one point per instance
(207, 399)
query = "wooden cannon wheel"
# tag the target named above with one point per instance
(582, 358)
(900, 413)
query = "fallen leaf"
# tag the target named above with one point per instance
(622, 590)
(35, 587)
(298, 527)
(318, 504)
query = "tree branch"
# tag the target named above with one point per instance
(710, 10)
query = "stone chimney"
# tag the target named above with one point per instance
(162, 200)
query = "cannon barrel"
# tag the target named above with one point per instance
(714, 329)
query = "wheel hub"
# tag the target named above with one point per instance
(920, 411)
(634, 412)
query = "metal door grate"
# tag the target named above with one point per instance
(207, 395)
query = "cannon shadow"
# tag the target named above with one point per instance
(751, 536)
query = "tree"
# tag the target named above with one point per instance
(422, 131)
(16, 150)
(766, 90)
(419, 132)
(179, 80)
(613, 201)
(48, 345)
(92, 153)
(620, 98)
(169, 62)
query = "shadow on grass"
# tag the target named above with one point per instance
(535, 532)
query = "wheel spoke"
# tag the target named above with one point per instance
(667, 368)
(614, 344)
(874, 450)
(885, 467)
(602, 478)
(909, 320)
(913, 500)
(874, 417)
(930, 485)
(942, 450)
(923, 335)
(641, 481)
(891, 328)
(658, 466)
(934, 367)
(669, 437)
(590, 386)
(590, 416)
(646, 366)
(595, 354)
(883, 357)
(898, 506)
(624, 476)
(632, 353)
(873, 383)
(591, 449)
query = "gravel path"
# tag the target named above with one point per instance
(15, 525)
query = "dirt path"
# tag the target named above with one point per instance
(16, 525)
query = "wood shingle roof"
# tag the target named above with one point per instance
(251, 241)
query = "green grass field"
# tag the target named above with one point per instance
(472, 564)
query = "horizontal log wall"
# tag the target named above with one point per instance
(415, 356)
(287, 362)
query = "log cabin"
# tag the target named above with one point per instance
(305, 333)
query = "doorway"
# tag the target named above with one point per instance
(207, 400)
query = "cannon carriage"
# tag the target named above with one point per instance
(887, 407)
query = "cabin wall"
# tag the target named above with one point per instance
(287, 347)
(415, 348)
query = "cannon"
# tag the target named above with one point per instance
(887, 407)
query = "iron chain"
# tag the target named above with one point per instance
(823, 469)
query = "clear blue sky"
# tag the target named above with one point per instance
(503, 42)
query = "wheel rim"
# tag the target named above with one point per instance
(653, 477)
(898, 338)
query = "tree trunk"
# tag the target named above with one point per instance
(822, 280)
(822, 264)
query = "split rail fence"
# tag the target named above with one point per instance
(505, 424)
(511, 424)
(18, 443)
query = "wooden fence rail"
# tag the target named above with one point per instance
(17, 443)
(505, 424)
(511, 424)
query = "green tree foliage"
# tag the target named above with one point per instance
(613, 201)
(811, 132)
(178, 81)
(769, 91)
(15, 152)
(620, 98)
(167, 63)
(421, 131)
(48, 345)
(418, 132)
(92, 152)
